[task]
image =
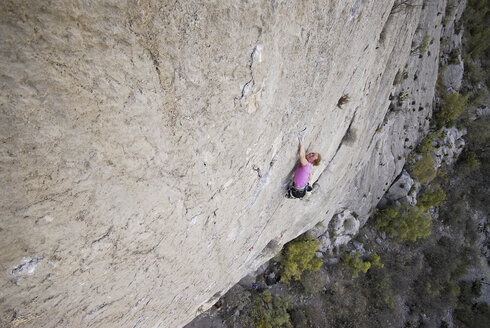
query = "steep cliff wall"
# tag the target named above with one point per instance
(145, 146)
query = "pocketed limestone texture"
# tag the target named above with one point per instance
(146, 145)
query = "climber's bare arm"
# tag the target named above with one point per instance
(302, 154)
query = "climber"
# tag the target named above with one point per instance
(300, 185)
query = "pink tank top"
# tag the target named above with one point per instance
(302, 175)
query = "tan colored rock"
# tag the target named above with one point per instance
(146, 145)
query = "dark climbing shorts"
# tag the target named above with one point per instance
(298, 192)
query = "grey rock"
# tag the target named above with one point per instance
(479, 112)
(358, 246)
(448, 148)
(325, 244)
(146, 145)
(401, 192)
(453, 76)
(343, 227)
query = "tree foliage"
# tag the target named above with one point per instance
(452, 105)
(355, 264)
(423, 170)
(298, 257)
(431, 199)
(477, 18)
(404, 222)
(270, 311)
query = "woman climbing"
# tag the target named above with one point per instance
(302, 174)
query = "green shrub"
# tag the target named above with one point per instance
(380, 288)
(468, 291)
(422, 48)
(298, 318)
(402, 96)
(454, 57)
(431, 199)
(476, 316)
(298, 257)
(400, 76)
(449, 12)
(473, 74)
(425, 44)
(313, 282)
(468, 162)
(425, 146)
(477, 15)
(270, 311)
(452, 105)
(404, 222)
(423, 170)
(468, 313)
(356, 264)
(375, 260)
(440, 83)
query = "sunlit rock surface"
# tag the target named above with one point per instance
(146, 145)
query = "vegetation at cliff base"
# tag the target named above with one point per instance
(270, 311)
(430, 199)
(452, 106)
(477, 23)
(404, 222)
(298, 257)
(355, 264)
(423, 170)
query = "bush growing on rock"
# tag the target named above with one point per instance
(400, 76)
(452, 105)
(424, 45)
(426, 145)
(402, 96)
(423, 170)
(431, 199)
(298, 257)
(454, 57)
(404, 222)
(468, 162)
(355, 264)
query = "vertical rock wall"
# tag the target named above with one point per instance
(145, 145)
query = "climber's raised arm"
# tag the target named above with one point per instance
(302, 154)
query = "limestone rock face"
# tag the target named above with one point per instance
(448, 148)
(453, 73)
(402, 191)
(146, 145)
(342, 228)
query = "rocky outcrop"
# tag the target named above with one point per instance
(452, 73)
(448, 147)
(146, 146)
(403, 191)
(341, 229)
